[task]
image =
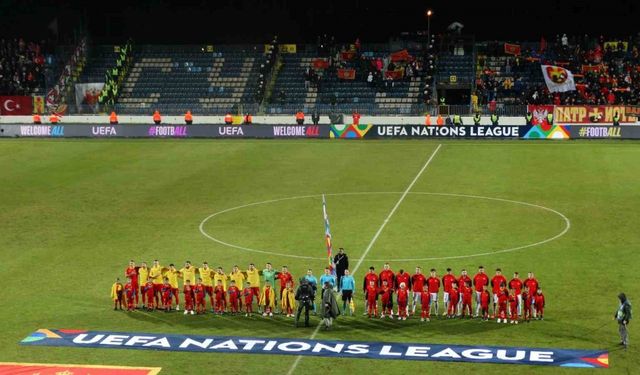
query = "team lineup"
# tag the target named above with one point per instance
(157, 288)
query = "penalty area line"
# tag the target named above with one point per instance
(373, 241)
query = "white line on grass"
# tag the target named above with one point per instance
(373, 241)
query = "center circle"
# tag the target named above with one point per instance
(479, 200)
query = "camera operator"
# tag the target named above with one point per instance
(304, 296)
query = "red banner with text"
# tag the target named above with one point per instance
(584, 114)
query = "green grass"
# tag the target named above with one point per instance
(73, 212)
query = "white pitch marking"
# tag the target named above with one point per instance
(555, 237)
(373, 241)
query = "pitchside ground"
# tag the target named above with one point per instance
(73, 212)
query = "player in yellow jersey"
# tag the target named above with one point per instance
(173, 274)
(206, 274)
(188, 272)
(239, 278)
(253, 277)
(156, 277)
(143, 272)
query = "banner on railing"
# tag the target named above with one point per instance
(87, 94)
(584, 114)
(16, 105)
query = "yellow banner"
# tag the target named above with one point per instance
(614, 45)
(38, 104)
(288, 48)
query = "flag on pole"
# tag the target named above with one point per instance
(327, 236)
(558, 79)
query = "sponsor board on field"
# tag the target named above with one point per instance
(167, 131)
(65, 369)
(599, 132)
(320, 348)
(421, 131)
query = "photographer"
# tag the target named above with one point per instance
(304, 296)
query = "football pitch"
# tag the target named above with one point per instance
(74, 212)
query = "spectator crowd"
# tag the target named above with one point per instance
(22, 66)
(606, 71)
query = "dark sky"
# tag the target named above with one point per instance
(253, 21)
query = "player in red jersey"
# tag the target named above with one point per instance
(516, 284)
(433, 282)
(150, 292)
(503, 299)
(484, 300)
(497, 282)
(532, 283)
(372, 298)
(462, 281)
(465, 302)
(539, 304)
(387, 275)
(386, 295)
(447, 281)
(132, 273)
(368, 278)
(234, 297)
(219, 293)
(403, 300)
(166, 293)
(425, 302)
(199, 292)
(247, 293)
(417, 284)
(188, 297)
(130, 293)
(454, 296)
(285, 277)
(479, 281)
(401, 277)
(527, 299)
(513, 306)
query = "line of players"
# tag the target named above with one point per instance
(157, 287)
(511, 301)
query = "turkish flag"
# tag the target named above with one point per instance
(16, 105)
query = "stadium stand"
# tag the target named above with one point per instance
(22, 66)
(363, 79)
(606, 72)
(101, 58)
(174, 79)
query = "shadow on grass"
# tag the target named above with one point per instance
(351, 327)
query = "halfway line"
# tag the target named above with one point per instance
(373, 241)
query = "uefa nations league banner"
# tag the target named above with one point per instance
(320, 348)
